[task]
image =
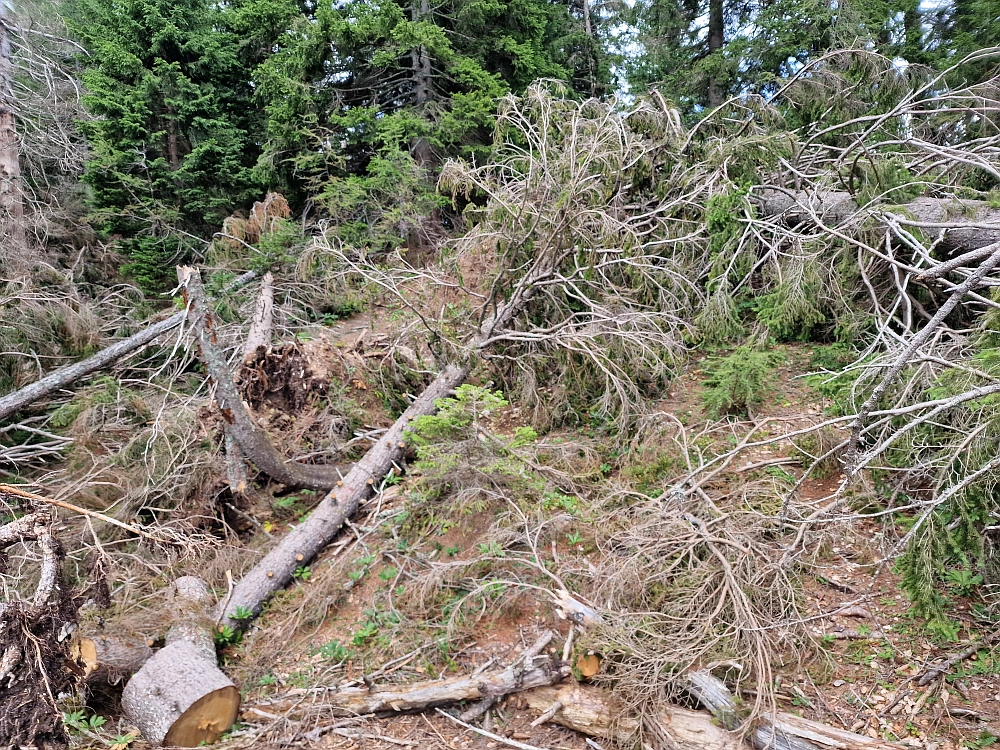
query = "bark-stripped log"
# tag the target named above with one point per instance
(305, 541)
(259, 334)
(596, 712)
(419, 695)
(239, 424)
(966, 225)
(180, 697)
(68, 375)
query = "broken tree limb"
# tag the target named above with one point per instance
(54, 381)
(597, 713)
(778, 731)
(239, 424)
(966, 225)
(305, 541)
(180, 697)
(259, 334)
(389, 699)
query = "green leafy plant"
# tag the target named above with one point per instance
(78, 721)
(302, 573)
(332, 651)
(574, 538)
(366, 631)
(962, 581)
(227, 636)
(241, 613)
(387, 574)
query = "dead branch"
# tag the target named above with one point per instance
(390, 699)
(597, 713)
(259, 334)
(66, 376)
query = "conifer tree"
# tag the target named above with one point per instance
(173, 141)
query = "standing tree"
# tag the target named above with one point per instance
(175, 135)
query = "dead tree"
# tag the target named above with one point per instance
(71, 374)
(11, 190)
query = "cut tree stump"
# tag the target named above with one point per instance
(180, 697)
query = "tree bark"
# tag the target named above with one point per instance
(716, 39)
(11, 189)
(967, 225)
(305, 541)
(251, 440)
(180, 697)
(389, 699)
(14, 402)
(423, 91)
(110, 658)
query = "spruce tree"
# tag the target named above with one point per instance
(173, 141)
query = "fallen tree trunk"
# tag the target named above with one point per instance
(110, 659)
(597, 713)
(389, 699)
(180, 697)
(305, 541)
(239, 424)
(966, 225)
(54, 381)
(259, 334)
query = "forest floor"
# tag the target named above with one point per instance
(360, 608)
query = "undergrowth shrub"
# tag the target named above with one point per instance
(740, 381)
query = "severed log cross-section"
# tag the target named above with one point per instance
(180, 697)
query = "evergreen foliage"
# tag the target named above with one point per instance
(173, 139)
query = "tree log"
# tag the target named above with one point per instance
(259, 334)
(65, 376)
(597, 713)
(305, 541)
(416, 696)
(966, 225)
(110, 659)
(180, 697)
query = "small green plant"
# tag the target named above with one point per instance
(740, 382)
(227, 636)
(302, 573)
(356, 575)
(451, 551)
(78, 721)
(574, 538)
(492, 549)
(241, 613)
(962, 581)
(332, 651)
(268, 679)
(361, 636)
(387, 574)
